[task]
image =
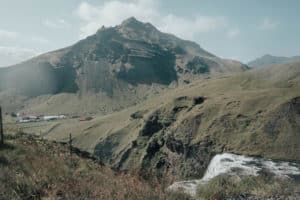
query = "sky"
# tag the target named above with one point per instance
(237, 29)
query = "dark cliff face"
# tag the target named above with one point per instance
(152, 64)
(110, 61)
(109, 56)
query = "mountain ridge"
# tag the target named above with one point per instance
(269, 59)
(121, 62)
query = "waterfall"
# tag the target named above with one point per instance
(233, 164)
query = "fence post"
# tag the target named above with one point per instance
(70, 144)
(1, 128)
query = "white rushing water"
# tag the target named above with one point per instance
(232, 164)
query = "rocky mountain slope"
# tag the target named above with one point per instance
(122, 65)
(271, 60)
(178, 132)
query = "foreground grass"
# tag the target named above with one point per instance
(31, 168)
(36, 169)
(264, 186)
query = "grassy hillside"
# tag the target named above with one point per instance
(177, 133)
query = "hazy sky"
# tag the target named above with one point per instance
(237, 29)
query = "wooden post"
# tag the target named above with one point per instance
(70, 144)
(1, 128)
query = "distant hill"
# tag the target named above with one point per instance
(270, 60)
(121, 65)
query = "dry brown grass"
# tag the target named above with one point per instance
(265, 186)
(37, 169)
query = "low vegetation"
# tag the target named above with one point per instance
(264, 186)
(31, 168)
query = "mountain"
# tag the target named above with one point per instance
(122, 65)
(271, 60)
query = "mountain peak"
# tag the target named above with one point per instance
(131, 22)
(267, 56)
(128, 24)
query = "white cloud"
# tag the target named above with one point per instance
(12, 54)
(112, 13)
(233, 33)
(189, 27)
(5, 34)
(40, 40)
(54, 24)
(11, 51)
(268, 24)
(9, 36)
